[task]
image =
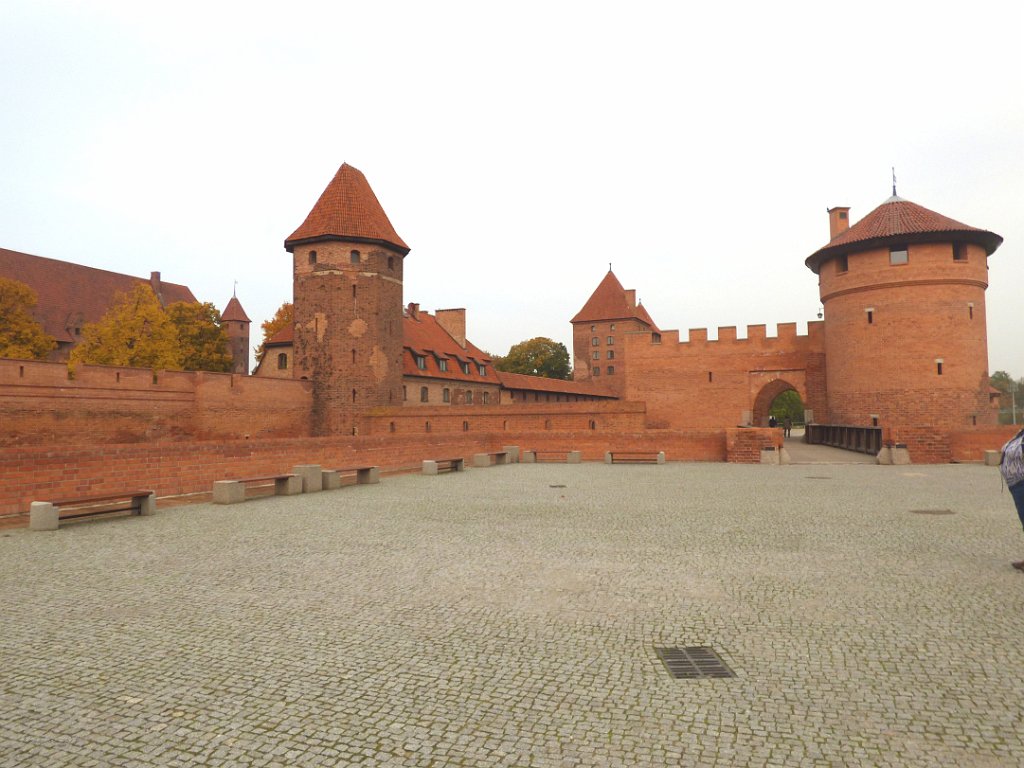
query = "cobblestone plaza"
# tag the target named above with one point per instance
(509, 617)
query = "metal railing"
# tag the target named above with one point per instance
(850, 438)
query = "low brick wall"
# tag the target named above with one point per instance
(744, 445)
(970, 445)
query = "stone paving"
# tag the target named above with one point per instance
(508, 617)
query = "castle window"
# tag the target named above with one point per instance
(842, 263)
(612, 327)
(656, 338)
(446, 395)
(421, 362)
(424, 395)
(593, 424)
(405, 393)
(426, 426)
(938, 367)
(442, 365)
(970, 310)
(353, 257)
(487, 398)
(353, 357)
(595, 341)
(898, 255)
(353, 290)
(611, 354)
(710, 377)
(391, 427)
(353, 395)
(481, 369)
(469, 397)
(465, 426)
(597, 355)
(465, 368)
(870, 311)
(593, 328)
(312, 257)
(842, 214)
(391, 262)
(611, 370)
(959, 251)
(611, 339)
(597, 370)
(282, 361)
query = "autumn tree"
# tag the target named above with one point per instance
(537, 357)
(135, 332)
(21, 336)
(201, 337)
(284, 317)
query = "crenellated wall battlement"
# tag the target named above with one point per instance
(786, 335)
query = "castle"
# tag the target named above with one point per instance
(901, 348)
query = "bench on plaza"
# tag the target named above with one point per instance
(634, 457)
(332, 478)
(46, 515)
(233, 491)
(436, 466)
(541, 457)
(496, 458)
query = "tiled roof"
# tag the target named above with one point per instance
(609, 302)
(559, 386)
(284, 336)
(901, 220)
(643, 315)
(348, 211)
(71, 295)
(424, 336)
(234, 312)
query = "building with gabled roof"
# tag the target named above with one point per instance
(71, 295)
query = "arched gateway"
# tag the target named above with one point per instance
(766, 396)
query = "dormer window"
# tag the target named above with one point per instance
(421, 362)
(442, 365)
(465, 368)
(481, 369)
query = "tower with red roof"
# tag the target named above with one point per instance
(236, 323)
(347, 284)
(903, 292)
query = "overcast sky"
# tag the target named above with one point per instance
(517, 148)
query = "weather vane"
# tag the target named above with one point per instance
(894, 181)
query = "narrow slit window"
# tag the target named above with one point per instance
(970, 311)
(938, 367)
(871, 316)
(842, 264)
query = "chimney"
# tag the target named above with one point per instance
(838, 221)
(453, 321)
(414, 311)
(631, 298)
(154, 283)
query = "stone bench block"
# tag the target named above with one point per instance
(992, 458)
(529, 457)
(574, 457)
(43, 516)
(512, 451)
(311, 476)
(228, 492)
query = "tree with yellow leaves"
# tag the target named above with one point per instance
(21, 336)
(203, 341)
(284, 317)
(135, 332)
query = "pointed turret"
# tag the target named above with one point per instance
(236, 323)
(348, 211)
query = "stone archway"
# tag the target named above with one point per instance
(766, 396)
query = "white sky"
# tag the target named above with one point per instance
(518, 148)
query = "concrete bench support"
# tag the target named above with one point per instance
(513, 453)
(484, 459)
(311, 476)
(233, 491)
(992, 458)
(574, 457)
(43, 516)
(431, 467)
(529, 457)
(331, 478)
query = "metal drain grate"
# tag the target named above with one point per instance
(556, 486)
(931, 512)
(693, 662)
(817, 477)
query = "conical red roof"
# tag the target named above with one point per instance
(609, 302)
(348, 211)
(234, 312)
(901, 220)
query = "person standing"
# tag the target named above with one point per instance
(1011, 466)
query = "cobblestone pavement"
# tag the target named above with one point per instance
(508, 617)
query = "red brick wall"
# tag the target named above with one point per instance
(743, 446)
(714, 384)
(970, 445)
(40, 405)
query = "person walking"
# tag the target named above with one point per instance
(787, 425)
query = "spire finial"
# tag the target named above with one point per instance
(234, 291)
(609, 266)
(894, 181)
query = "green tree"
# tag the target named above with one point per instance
(135, 332)
(1002, 381)
(284, 317)
(537, 357)
(788, 403)
(21, 336)
(204, 342)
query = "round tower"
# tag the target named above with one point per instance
(903, 293)
(347, 285)
(236, 323)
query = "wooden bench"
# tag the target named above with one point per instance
(537, 457)
(233, 491)
(332, 478)
(46, 515)
(435, 466)
(497, 458)
(634, 457)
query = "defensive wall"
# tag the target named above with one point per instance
(725, 382)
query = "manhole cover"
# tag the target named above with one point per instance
(693, 662)
(931, 511)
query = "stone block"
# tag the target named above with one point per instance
(529, 457)
(884, 455)
(368, 476)
(289, 485)
(429, 467)
(330, 480)
(574, 457)
(43, 516)
(607, 457)
(228, 492)
(311, 476)
(481, 459)
(513, 453)
(992, 458)
(147, 505)
(900, 455)
(661, 457)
